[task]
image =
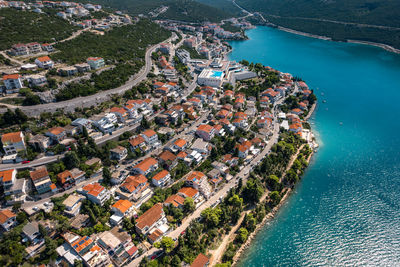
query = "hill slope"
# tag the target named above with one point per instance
(184, 10)
(332, 17)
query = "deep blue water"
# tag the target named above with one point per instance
(346, 209)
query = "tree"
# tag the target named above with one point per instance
(106, 175)
(253, 191)
(275, 198)
(167, 244)
(273, 183)
(188, 205)
(71, 160)
(242, 235)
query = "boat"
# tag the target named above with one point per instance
(324, 101)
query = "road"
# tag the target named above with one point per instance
(88, 101)
(244, 174)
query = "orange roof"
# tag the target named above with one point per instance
(205, 128)
(39, 173)
(6, 176)
(181, 154)
(62, 176)
(149, 133)
(81, 243)
(122, 205)
(160, 175)
(150, 217)
(53, 186)
(180, 142)
(155, 235)
(136, 141)
(94, 58)
(132, 182)
(56, 130)
(5, 215)
(200, 261)
(93, 189)
(159, 84)
(44, 59)
(167, 155)
(297, 110)
(146, 164)
(11, 137)
(188, 191)
(11, 77)
(119, 110)
(175, 200)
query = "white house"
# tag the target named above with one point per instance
(12, 82)
(13, 142)
(7, 219)
(44, 62)
(161, 179)
(96, 193)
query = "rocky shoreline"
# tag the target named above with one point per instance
(380, 45)
(272, 213)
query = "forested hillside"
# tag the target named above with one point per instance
(184, 10)
(377, 12)
(26, 26)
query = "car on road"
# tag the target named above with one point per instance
(25, 161)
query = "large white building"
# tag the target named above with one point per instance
(13, 142)
(210, 77)
(12, 82)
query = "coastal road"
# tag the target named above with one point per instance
(244, 174)
(88, 101)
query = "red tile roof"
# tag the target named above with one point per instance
(5, 215)
(11, 137)
(150, 217)
(162, 174)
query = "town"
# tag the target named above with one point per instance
(120, 180)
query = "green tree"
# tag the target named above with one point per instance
(275, 198)
(242, 235)
(188, 205)
(106, 175)
(71, 160)
(167, 244)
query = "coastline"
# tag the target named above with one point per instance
(269, 216)
(380, 45)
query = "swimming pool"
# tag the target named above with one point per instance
(216, 74)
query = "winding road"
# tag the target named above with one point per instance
(88, 101)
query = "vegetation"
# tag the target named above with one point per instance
(26, 26)
(311, 16)
(224, 5)
(228, 26)
(193, 52)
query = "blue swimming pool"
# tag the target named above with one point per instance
(216, 74)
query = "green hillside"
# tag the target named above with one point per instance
(329, 18)
(224, 5)
(377, 12)
(184, 10)
(25, 26)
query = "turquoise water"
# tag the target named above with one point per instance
(216, 74)
(346, 209)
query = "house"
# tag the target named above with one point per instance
(161, 179)
(121, 113)
(72, 205)
(82, 67)
(119, 153)
(297, 111)
(96, 193)
(146, 167)
(19, 50)
(106, 122)
(150, 137)
(200, 261)
(65, 179)
(67, 71)
(201, 146)
(151, 219)
(82, 123)
(168, 159)
(118, 244)
(12, 82)
(13, 142)
(179, 145)
(205, 131)
(41, 180)
(195, 178)
(240, 122)
(137, 142)
(296, 128)
(36, 80)
(47, 47)
(44, 62)
(95, 62)
(229, 160)
(7, 178)
(57, 134)
(121, 209)
(175, 200)
(7, 219)
(244, 149)
(264, 123)
(134, 187)
(31, 233)
(186, 192)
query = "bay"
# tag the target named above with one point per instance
(346, 209)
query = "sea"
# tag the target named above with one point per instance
(346, 209)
